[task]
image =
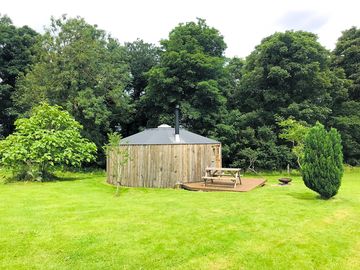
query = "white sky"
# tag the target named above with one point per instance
(242, 23)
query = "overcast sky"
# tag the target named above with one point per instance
(242, 23)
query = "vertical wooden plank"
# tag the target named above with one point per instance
(149, 168)
(165, 165)
(132, 180)
(154, 164)
(170, 161)
(173, 165)
(199, 156)
(146, 165)
(184, 163)
(128, 167)
(155, 161)
(220, 156)
(142, 168)
(189, 162)
(160, 160)
(157, 165)
(178, 165)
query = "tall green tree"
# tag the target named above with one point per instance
(141, 57)
(347, 120)
(188, 74)
(231, 79)
(346, 116)
(347, 56)
(287, 75)
(15, 57)
(83, 69)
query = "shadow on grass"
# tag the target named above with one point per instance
(122, 191)
(63, 179)
(307, 196)
(310, 196)
(54, 179)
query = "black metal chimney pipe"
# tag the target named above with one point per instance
(177, 119)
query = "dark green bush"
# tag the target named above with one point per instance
(323, 161)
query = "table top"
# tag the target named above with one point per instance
(222, 169)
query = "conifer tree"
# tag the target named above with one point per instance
(323, 161)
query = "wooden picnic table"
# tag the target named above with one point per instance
(230, 174)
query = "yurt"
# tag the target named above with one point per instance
(162, 157)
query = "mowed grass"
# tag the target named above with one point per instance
(78, 223)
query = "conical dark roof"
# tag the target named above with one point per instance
(165, 134)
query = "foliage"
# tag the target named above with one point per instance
(250, 144)
(323, 161)
(15, 56)
(188, 73)
(294, 132)
(233, 71)
(109, 87)
(112, 148)
(114, 140)
(82, 69)
(346, 117)
(252, 156)
(287, 75)
(347, 121)
(118, 155)
(49, 138)
(347, 56)
(141, 57)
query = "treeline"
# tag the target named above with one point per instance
(108, 86)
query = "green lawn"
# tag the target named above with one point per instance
(79, 224)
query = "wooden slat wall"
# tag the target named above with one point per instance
(162, 166)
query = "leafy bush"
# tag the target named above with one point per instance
(323, 161)
(49, 138)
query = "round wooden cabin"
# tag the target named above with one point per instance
(159, 157)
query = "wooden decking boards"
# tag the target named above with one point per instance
(247, 184)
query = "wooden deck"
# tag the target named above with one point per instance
(247, 185)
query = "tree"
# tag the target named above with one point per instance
(230, 81)
(247, 143)
(141, 57)
(118, 155)
(294, 132)
(347, 121)
(347, 56)
(188, 74)
(252, 156)
(82, 69)
(323, 161)
(346, 116)
(15, 57)
(287, 75)
(49, 138)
